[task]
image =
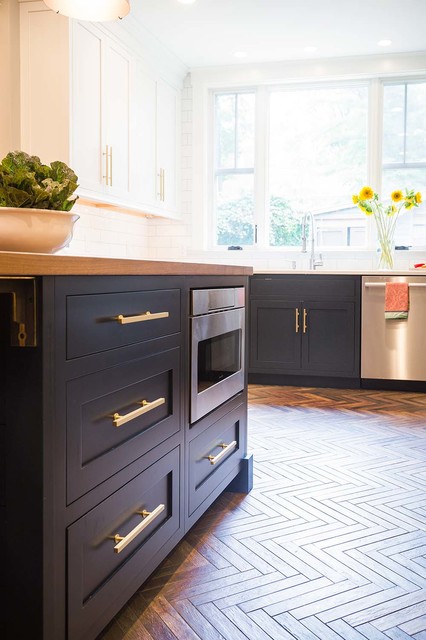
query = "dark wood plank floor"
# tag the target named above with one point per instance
(329, 545)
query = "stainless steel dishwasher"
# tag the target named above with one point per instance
(393, 349)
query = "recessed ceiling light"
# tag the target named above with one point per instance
(310, 49)
(186, 1)
(240, 54)
(384, 43)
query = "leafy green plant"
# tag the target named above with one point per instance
(27, 183)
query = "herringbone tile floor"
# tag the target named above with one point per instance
(329, 545)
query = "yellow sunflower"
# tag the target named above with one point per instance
(355, 199)
(397, 195)
(418, 197)
(366, 193)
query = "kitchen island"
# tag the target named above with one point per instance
(103, 470)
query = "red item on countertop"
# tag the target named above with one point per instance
(396, 296)
(420, 265)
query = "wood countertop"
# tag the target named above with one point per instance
(38, 264)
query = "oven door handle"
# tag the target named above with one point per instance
(226, 448)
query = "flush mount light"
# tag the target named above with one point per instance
(186, 1)
(384, 43)
(310, 49)
(240, 54)
(93, 11)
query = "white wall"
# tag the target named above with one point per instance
(9, 76)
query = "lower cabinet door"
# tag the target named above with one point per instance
(213, 455)
(110, 547)
(275, 335)
(329, 345)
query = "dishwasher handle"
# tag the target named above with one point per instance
(369, 285)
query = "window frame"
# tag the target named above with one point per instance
(374, 165)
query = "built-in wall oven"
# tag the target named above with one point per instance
(217, 348)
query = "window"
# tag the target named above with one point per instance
(317, 159)
(234, 168)
(404, 153)
(282, 151)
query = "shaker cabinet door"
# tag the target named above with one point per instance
(86, 98)
(276, 331)
(167, 137)
(329, 345)
(116, 101)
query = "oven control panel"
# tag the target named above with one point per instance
(213, 300)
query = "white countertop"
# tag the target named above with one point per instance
(335, 272)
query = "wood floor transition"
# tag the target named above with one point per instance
(329, 545)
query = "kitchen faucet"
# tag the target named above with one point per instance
(313, 262)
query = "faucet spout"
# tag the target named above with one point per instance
(308, 219)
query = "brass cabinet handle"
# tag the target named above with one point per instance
(297, 320)
(305, 320)
(226, 448)
(110, 166)
(162, 182)
(142, 317)
(146, 406)
(148, 517)
(106, 155)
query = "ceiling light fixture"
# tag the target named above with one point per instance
(240, 54)
(310, 49)
(93, 11)
(384, 43)
(186, 1)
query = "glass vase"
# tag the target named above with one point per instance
(385, 234)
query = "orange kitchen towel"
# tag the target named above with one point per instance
(396, 299)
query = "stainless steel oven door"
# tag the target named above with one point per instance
(217, 360)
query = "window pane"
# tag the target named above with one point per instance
(234, 209)
(416, 122)
(411, 225)
(225, 127)
(245, 128)
(393, 123)
(317, 160)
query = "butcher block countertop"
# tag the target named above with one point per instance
(38, 264)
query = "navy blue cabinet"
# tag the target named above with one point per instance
(103, 474)
(304, 329)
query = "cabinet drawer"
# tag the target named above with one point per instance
(99, 577)
(105, 321)
(209, 461)
(311, 286)
(99, 445)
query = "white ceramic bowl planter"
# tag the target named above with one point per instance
(35, 230)
(35, 204)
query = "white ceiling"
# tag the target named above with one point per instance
(208, 32)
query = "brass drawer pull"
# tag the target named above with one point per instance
(148, 517)
(141, 318)
(226, 448)
(145, 407)
(297, 320)
(305, 320)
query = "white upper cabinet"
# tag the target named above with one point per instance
(86, 113)
(116, 107)
(115, 121)
(143, 141)
(167, 148)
